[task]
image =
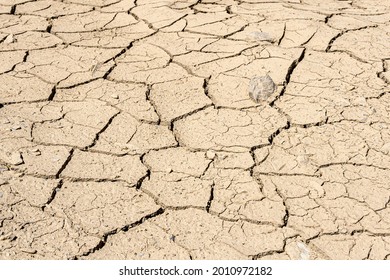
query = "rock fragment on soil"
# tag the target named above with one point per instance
(10, 39)
(210, 154)
(260, 36)
(15, 158)
(261, 87)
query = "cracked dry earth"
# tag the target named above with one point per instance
(127, 131)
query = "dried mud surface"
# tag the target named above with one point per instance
(127, 131)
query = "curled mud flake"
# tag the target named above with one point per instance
(16, 127)
(29, 251)
(7, 236)
(260, 36)
(261, 87)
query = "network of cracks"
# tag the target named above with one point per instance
(127, 130)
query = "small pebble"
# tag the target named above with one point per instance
(210, 154)
(115, 96)
(342, 102)
(10, 39)
(16, 158)
(343, 230)
(360, 101)
(386, 148)
(304, 251)
(35, 151)
(302, 159)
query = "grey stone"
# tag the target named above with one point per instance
(261, 87)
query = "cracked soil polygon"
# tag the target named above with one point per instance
(127, 130)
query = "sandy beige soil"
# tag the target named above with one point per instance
(127, 130)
